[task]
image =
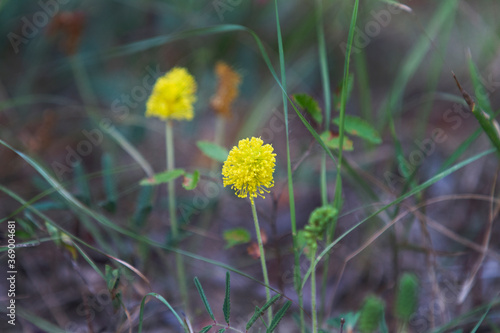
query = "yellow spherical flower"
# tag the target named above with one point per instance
(173, 96)
(249, 168)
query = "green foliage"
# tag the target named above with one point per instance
(163, 177)
(191, 180)
(260, 311)
(407, 296)
(213, 150)
(226, 307)
(483, 111)
(164, 301)
(308, 103)
(236, 236)
(333, 141)
(359, 127)
(206, 329)
(277, 318)
(113, 281)
(204, 298)
(319, 220)
(371, 314)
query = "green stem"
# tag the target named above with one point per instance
(322, 181)
(325, 79)
(313, 293)
(174, 227)
(262, 258)
(297, 279)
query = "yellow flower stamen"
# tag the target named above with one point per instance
(173, 96)
(249, 168)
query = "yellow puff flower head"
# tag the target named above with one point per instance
(249, 168)
(173, 96)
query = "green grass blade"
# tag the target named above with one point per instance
(40, 323)
(480, 91)
(461, 149)
(343, 101)
(164, 301)
(291, 194)
(226, 307)
(410, 193)
(74, 203)
(277, 318)
(483, 111)
(474, 330)
(203, 298)
(415, 57)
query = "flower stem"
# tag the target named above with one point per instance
(313, 293)
(262, 259)
(174, 227)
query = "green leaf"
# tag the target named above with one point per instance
(163, 177)
(112, 277)
(222, 330)
(270, 302)
(406, 298)
(113, 282)
(254, 318)
(236, 236)
(212, 150)
(310, 105)
(206, 329)
(359, 127)
(191, 180)
(332, 141)
(204, 298)
(277, 318)
(226, 307)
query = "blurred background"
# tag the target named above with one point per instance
(74, 80)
